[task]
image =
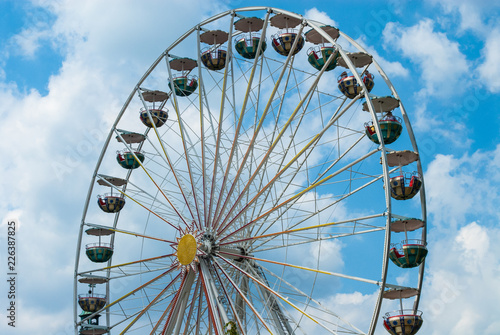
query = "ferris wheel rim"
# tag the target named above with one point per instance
(351, 66)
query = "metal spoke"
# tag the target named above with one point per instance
(278, 295)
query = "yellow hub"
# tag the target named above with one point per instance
(186, 250)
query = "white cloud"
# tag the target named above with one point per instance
(320, 16)
(35, 34)
(56, 323)
(404, 279)
(391, 68)
(439, 126)
(458, 187)
(106, 49)
(29, 41)
(355, 306)
(489, 70)
(471, 12)
(461, 249)
(447, 191)
(474, 243)
(440, 59)
(355, 298)
(494, 163)
(326, 256)
(461, 282)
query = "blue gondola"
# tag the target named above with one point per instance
(410, 255)
(390, 126)
(214, 59)
(405, 187)
(247, 47)
(318, 56)
(403, 322)
(159, 117)
(185, 85)
(349, 86)
(127, 160)
(110, 203)
(283, 42)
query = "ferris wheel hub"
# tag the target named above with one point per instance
(186, 249)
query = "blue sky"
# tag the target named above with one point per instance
(60, 59)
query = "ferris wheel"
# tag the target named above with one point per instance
(258, 175)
